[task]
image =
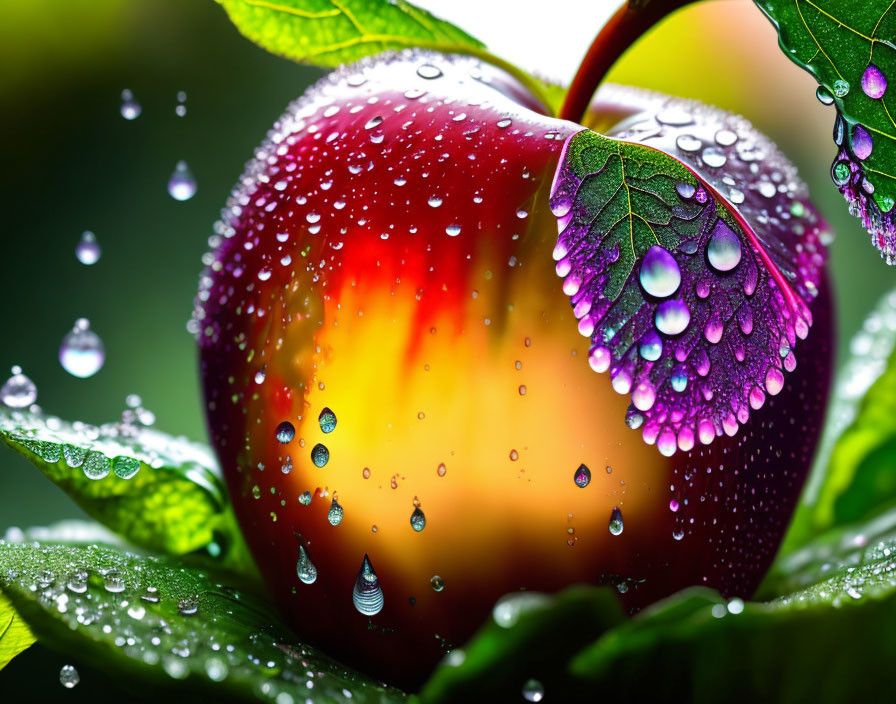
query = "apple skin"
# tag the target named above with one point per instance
(337, 281)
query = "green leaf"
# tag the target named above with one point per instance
(159, 492)
(853, 479)
(333, 32)
(848, 47)
(15, 636)
(157, 623)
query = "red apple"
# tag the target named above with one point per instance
(385, 264)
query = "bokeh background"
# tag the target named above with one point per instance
(72, 163)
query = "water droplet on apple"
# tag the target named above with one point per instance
(434, 201)
(824, 96)
(418, 520)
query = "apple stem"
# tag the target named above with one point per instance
(622, 30)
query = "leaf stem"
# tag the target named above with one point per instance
(622, 30)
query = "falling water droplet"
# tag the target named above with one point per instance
(69, 677)
(130, 108)
(305, 498)
(723, 249)
(660, 275)
(582, 477)
(418, 520)
(327, 420)
(82, 353)
(334, 515)
(87, 250)
(305, 569)
(320, 455)
(18, 391)
(96, 466)
(452, 230)
(182, 183)
(367, 594)
(533, 691)
(285, 433)
(437, 583)
(616, 524)
(261, 374)
(874, 82)
(181, 109)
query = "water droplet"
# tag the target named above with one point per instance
(582, 477)
(113, 582)
(651, 346)
(327, 420)
(714, 157)
(688, 143)
(82, 352)
(840, 172)
(672, 317)
(723, 249)
(125, 467)
(188, 606)
(616, 524)
(87, 250)
(660, 275)
(305, 498)
(824, 95)
(725, 138)
(18, 391)
(367, 594)
(320, 455)
(861, 142)
(505, 123)
(533, 691)
(334, 515)
(96, 465)
(418, 520)
(305, 569)
(841, 88)
(181, 109)
(182, 183)
(453, 230)
(428, 71)
(437, 583)
(285, 433)
(685, 190)
(441, 469)
(69, 677)
(874, 82)
(261, 374)
(434, 201)
(644, 396)
(130, 108)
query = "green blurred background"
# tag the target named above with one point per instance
(71, 163)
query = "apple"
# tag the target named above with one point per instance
(398, 391)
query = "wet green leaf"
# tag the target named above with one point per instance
(853, 479)
(159, 492)
(157, 622)
(331, 32)
(15, 636)
(849, 48)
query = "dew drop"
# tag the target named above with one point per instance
(82, 352)
(874, 82)
(616, 525)
(182, 183)
(688, 143)
(285, 433)
(723, 249)
(841, 88)
(320, 455)
(861, 142)
(651, 346)
(188, 606)
(672, 317)
(824, 95)
(367, 595)
(18, 391)
(305, 568)
(69, 677)
(261, 374)
(452, 230)
(327, 420)
(725, 138)
(659, 275)
(87, 250)
(582, 477)
(714, 157)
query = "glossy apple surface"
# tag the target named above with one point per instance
(386, 260)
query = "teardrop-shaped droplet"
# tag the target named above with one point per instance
(723, 249)
(286, 431)
(88, 251)
(824, 95)
(660, 275)
(840, 172)
(651, 346)
(130, 108)
(672, 317)
(874, 82)
(418, 520)
(437, 583)
(861, 142)
(182, 183)
(334, 515)
(18, 391)
(82, 352)
(327, 420)
(320, 455)
(367, 594)
(582, 477)
(616, 525)
(305, 568)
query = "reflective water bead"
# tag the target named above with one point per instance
(285, 433)
(334, 515)
(305, 498)
(840, 172)
(69, 677)
(130, 108)
(861, 142)
(418, 520)
(874, 82)
(437, 583)
(367, 595)
(651, 346)
(824, 96)
(644, 396)
(659, 275)
(582, 477)
(685, 190)
(305, 569)
(616, 525)
(87, 250)
(428, 71)
(726, 138)
(320, 455)
(714, 157)
(182, 183)
(672, 317)
(688, 143)
(679, 379)
(82, 352)
(841, 88)
(723, 249)
(327, 420)
(533, 691)
(18, 391)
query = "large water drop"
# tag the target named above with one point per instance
(327, 420)
(367, 594)
(672, 317)
(582, 477)
(874, 82)
(305, 568)
(182, 183)
(87, 250)
(616, 524)
(660, 275)
(82, 352)
(285, 433)
(723, 249)
(18, 391)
